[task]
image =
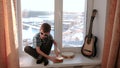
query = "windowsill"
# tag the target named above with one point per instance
(27, 61)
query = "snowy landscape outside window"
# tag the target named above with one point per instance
(35, 12)
(73, 23)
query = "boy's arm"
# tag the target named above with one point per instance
(56, 49)
(52, 58)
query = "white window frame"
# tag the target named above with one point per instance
(58, 23)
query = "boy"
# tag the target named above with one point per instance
(43, 42)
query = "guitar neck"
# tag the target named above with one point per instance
(90, 28)
(91, 23)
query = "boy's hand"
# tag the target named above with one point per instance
(54, 59)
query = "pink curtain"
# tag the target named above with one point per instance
(8, 35)
(111, 53)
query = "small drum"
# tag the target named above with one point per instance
(68, 55)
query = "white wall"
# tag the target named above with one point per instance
(99, 24)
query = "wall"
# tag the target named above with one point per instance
(99, 24)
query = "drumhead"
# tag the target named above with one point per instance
(67, 54)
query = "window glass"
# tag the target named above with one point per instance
(34, 13)
(73, 27)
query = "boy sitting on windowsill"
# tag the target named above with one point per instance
(42, 42)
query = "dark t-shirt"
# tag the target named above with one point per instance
(44, 45)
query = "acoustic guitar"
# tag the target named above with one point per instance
(89, 47)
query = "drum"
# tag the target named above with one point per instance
(68, 55)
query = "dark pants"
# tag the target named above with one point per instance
(31, 51)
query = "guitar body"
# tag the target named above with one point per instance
(89, 49)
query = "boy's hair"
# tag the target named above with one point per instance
(45, 27)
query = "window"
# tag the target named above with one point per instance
(67, 18)
(73, 23)
(33, 15)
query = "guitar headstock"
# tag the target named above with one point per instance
(94, 12)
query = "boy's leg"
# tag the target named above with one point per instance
(31, 51)
(40, 60)
(45, 61)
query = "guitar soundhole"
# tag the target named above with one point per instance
(87, 50)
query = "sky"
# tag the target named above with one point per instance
(48, 5)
